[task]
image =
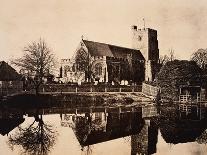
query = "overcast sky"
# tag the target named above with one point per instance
(181, 24)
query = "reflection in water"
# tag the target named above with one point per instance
(183, 125)
(145, 142)
(37, 139)
(139, 125)
(98, 127)
(9, 121)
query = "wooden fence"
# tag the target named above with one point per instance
(90, 88)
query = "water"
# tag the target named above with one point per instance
(99, 131)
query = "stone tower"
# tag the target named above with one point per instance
(146, 41)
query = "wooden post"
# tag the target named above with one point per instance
(105, 113)
(76, 89)
(120, 89)
(105, 110)
(91, 89)
(119, 112)
(105, 89)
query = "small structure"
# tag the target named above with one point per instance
(10, 80)
(189, 93)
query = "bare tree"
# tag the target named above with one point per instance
(163, 59)
(172, 55)
(37, 59)
(83, 63)
(200, 57)
(167, 57)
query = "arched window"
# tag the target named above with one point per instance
(66, 69)
(98, 69)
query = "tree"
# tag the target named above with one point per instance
(172, 56)
(200, 57)
(176, 73)
(38, 60)
(163, 59)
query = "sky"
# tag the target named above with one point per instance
(181, 24)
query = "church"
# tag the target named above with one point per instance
(101, 62)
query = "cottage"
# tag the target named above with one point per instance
(10, 80)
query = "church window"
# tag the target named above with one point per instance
(98, 69)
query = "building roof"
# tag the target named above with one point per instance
(102, 49)
(8, 73)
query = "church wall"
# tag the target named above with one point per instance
(123, 69)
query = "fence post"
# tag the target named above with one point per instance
(133, 89)
(76, 89)
(91, 89)
(120, 89)
(105, 89)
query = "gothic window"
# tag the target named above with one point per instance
(98, 69)
(66, 69)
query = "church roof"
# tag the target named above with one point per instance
(7, 73)
(102, 49)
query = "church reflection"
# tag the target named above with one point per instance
(142, 124)
(97, 127)
(139, 125)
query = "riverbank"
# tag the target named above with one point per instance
(77, 99)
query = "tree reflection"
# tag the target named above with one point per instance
(202, 139)
(87, 150)
(37, 139)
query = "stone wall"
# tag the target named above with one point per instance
(150, 90)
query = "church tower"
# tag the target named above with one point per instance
(146, 41)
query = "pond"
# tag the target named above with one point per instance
(137, 129)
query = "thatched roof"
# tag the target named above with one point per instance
(7, 73)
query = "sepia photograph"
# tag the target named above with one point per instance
(94, 77)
